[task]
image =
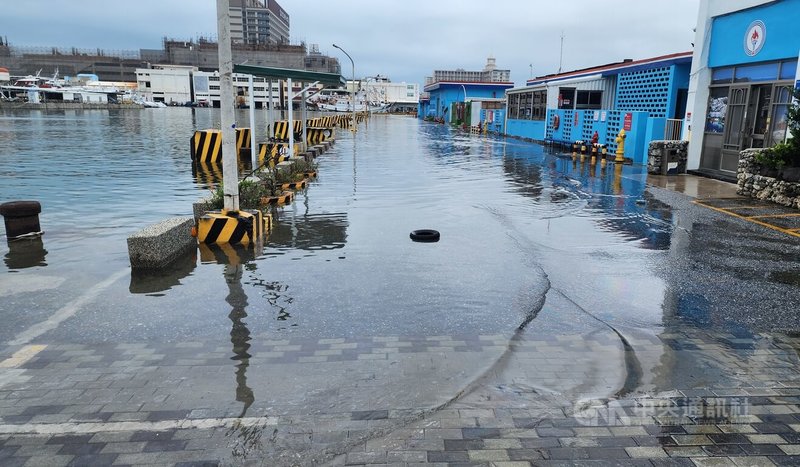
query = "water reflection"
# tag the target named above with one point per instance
(311, 232)
(208, 175)
(236, 259)
(240, 334)
(155, 281)
(25, 253)
(613, 197)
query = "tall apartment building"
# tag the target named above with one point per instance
(489, 74)
(258, 22)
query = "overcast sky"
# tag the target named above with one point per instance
(403, 39)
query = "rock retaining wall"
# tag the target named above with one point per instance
(753, 184)
(678, 151)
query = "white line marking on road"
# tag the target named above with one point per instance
(65, 312)
(89, 427)
(21, 356)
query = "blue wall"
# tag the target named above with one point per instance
(531, 129)
(446, 94)
(498, 120)
(636, 139)
(782, 38)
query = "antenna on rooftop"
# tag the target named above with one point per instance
(561, 56)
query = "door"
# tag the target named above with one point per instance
(737, 129)
(759, 112)
(781, 98)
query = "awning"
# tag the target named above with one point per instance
(326, 79)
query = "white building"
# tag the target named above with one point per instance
(206, 89)
(401, 97)
(743, 69)
(489, 74)
(165, 83)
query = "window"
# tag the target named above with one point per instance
(530, 105)
(765, 72)
(513, 106)
(780, 105)
(717, 108)
(589, 100)
(722, 76)
(788, 69)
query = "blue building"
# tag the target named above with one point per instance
(470, 98)
(647, 98)
(743, 72)
(458, 102)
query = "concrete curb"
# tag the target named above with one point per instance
(157, 245)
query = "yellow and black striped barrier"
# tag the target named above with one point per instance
(284, 198)
(317, 135)
(242, 227)
(242, 139)
(206, 146)
(274, 153)
(281, 130)
(310, 174)
(294, 185)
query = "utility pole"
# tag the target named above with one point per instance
(230, 169)
(561, 55)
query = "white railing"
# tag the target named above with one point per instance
(673, 129)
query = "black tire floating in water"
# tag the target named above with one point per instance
(425, 236)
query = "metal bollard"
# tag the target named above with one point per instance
(593, 160)
(603, 155)
(21, 218)
(583, 151)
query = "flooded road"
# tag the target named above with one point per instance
(554, 282)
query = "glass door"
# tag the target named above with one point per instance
(736, 131)
(760, 99)
(781, 98)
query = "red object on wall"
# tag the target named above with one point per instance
(628, 122)
(575, 123)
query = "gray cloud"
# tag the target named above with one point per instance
(405, 40)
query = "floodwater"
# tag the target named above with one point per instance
(340, 262)
(339, 312)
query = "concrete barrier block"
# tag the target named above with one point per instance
(158, 245)
(200, 207)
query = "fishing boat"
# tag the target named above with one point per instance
(340, 100)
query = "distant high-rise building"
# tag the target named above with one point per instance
(258, 22)
(489, 74)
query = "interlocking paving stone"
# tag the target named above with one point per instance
(489, 431)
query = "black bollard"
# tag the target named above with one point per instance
(21, 218)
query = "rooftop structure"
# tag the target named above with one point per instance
(489, 74)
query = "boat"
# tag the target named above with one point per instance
(340, 100)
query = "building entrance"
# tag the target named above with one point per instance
(754, 117)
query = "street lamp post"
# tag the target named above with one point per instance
(354, 84)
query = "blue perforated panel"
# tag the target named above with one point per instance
(645, 91)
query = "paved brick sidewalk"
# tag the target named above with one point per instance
(754, 422)
(144, 405)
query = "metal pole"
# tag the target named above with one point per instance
(270, 115)
(230, 169)
(291, 122)
(353, 64)
(305, 119)
(253, 154)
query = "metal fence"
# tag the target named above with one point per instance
(673, 129)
